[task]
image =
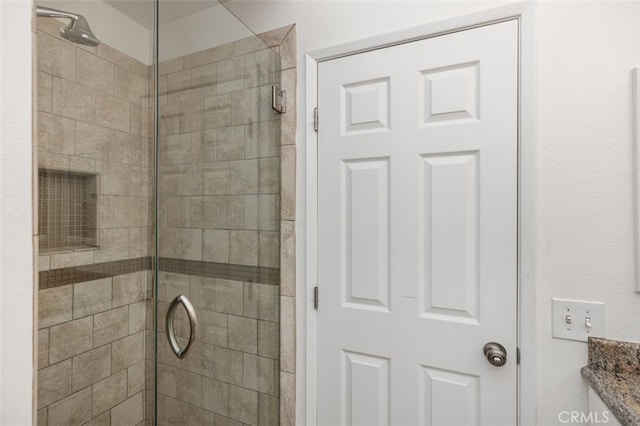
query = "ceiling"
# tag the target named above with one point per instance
(141, 11)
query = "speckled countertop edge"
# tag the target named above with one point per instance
(614, 374)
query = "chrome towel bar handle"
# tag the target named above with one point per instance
(193, 322)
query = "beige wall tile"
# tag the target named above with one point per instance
(287, 399)
(73, 410)
(110, 326)
(114, 245)
(93, 141)
(203, 146)
(244, 106)
(228, 296)
(139, 181)
(130, 87)
(262, 139)
(136, 378)
(102, 420)
(45, 91)
(55, 306)
(114, 178)
(287, 334)
(269, 249)
(54, 383)
(288, 120)
(112, 55)
(137, 317)
(56, 134)
(261, 68)
(44, 263)
(243, 177)
(190, 180)
(170, 66)
(258, 374)
(129, 412)
(230, 75)
(43, 348)
(56, 56)
(248, 44)
(259, 301)
(287, 258)
(191, 113)
(269, 180)
(216, 178)
(178, 86)
(215, 396)
(94, 72)
(243, 334)
(128, 288)
(202, 212)
(243, 405)
(268, 410)
(217, 111)
(73, 100)
(177, 413)
(201, 292)
(230, 143)
(203, 81)
(66, 260)
(189, 244)
(213, 327)
(229, 212)
(202, 360)
(110, 112)
(140, 120)
(91, 367)
(174, 211)
(189, 388)
(269, 339)
(228, 365)
(129, 149)
(215, 245)
(42, 417)
(175, 149)
(91, 297)
(243, 247)
(109, 392)
(69, 339)
(127, 351)
(287, 183)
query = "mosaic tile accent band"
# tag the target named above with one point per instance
(253, 274)
(64, 276)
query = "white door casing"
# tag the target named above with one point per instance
(417, 231)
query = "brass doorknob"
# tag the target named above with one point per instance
(496, 354)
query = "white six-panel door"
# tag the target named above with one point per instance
(417, 231)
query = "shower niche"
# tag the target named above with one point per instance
(68, 210)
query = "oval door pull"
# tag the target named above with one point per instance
(496, 354)
(193, 322)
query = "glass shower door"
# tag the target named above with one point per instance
(217, 222)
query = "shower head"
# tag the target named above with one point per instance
(78, 31)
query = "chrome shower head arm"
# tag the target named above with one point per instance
(47, 12)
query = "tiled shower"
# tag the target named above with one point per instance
(142, 198)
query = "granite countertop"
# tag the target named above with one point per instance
(614, 374)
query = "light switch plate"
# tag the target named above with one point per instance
(577, 319)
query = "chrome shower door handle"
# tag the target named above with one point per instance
(193, 322)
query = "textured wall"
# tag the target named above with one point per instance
(93, 117)
(584, 167)
(220, 203)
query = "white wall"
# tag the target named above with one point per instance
(111, 26)
(208, 28)
(584, 166)
(16, 232)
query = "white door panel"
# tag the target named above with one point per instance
(417, 231)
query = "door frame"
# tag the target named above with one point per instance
(524, 12)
